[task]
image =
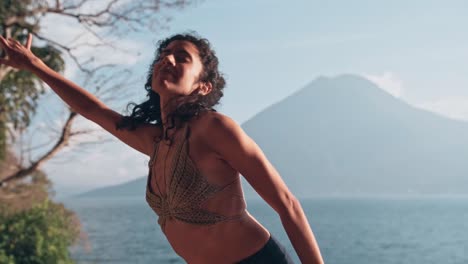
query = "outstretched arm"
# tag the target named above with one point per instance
(80, 100)
(228, 139)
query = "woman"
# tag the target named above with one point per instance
(196, 156)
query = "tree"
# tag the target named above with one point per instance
(34, 229)
(40, 234)
(19, 90)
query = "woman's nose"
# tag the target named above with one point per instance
(168, 59)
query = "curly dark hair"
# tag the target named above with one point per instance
(149, 112)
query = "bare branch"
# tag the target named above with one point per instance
(67, 49)
(96, 142)
(38, 146)
(114, 15)
(86, 131)
(105, 80)
(62, 141)
(77, 6)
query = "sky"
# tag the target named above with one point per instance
(415, 50)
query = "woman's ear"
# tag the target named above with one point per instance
(205, 88)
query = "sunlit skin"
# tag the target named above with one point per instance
(219, 147)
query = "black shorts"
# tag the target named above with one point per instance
(272, 253)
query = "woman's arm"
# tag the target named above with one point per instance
(80, 100)
(232, 144)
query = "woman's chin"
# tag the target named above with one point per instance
(163, 88)
(166, 83)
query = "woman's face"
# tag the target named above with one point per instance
(177, 71)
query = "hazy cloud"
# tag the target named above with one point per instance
(388, 81)
(455, 107)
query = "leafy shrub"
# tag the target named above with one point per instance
(40, 234)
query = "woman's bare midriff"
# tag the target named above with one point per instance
(224, 242)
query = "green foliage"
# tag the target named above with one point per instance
(18, 7)
(41, 234)
(8, 6)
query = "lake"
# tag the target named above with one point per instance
(352, 230)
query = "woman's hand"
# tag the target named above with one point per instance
(17, 55)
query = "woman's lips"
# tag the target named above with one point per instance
(168, 71)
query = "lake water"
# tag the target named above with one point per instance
(364, 231)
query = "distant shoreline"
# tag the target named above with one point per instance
(311, 198)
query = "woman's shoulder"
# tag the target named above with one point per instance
(210, 125)
(211, 120)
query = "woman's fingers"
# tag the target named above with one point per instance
(14, 42)
(29, 41)
(7, 43)
(17, 55)
(3, 42)
(4, 45)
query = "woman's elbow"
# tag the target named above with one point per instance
(290, 206)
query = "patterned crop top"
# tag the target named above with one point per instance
(188, 189)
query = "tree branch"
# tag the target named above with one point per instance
(61, 143)
(65, 48)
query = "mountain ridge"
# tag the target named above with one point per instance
(345, 135)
